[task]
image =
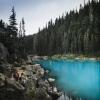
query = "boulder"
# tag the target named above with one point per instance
(3, 52)
(51, 79)
(41, 94)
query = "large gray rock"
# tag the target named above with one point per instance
(3, 52)
(41, 94)
(3, 57)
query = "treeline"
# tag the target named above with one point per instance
(12, 38)
(77, 32)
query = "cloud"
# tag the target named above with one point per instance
(37, 12)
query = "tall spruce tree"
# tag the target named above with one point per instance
(23, 27)
(13, 23)
(23, 32)
(13, 39)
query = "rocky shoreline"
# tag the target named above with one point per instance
(75, 57)
(45, 85)
(28, 83)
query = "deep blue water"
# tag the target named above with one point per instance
(78, 78)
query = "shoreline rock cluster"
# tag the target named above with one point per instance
(42, 86)
(75, 57)
(27, 83)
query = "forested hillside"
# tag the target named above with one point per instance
(77, 32)
(12, 39)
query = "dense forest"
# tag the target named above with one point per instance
(13, 38)
(78, 32)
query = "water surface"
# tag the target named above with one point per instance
(77, 78)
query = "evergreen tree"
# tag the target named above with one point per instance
(12, 21)
(23, 32)
(23, 27)
(13, 39)
(20, 30)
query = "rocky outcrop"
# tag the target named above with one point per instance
(32, 58)
(10, 89)
(3, 52)
(29, 85)
(42, 88)
(3, 57)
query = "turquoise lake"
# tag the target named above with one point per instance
(75, 77)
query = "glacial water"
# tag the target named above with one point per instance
(75, 77)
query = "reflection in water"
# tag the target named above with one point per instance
(78, 78)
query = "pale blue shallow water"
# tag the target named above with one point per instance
(78, 78)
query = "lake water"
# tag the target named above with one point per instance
(77, 78)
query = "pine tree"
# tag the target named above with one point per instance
(22, 37)
(23, 27)
(13, 40)
(12, 22)
(20, 30)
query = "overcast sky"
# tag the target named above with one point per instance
(37, 12)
